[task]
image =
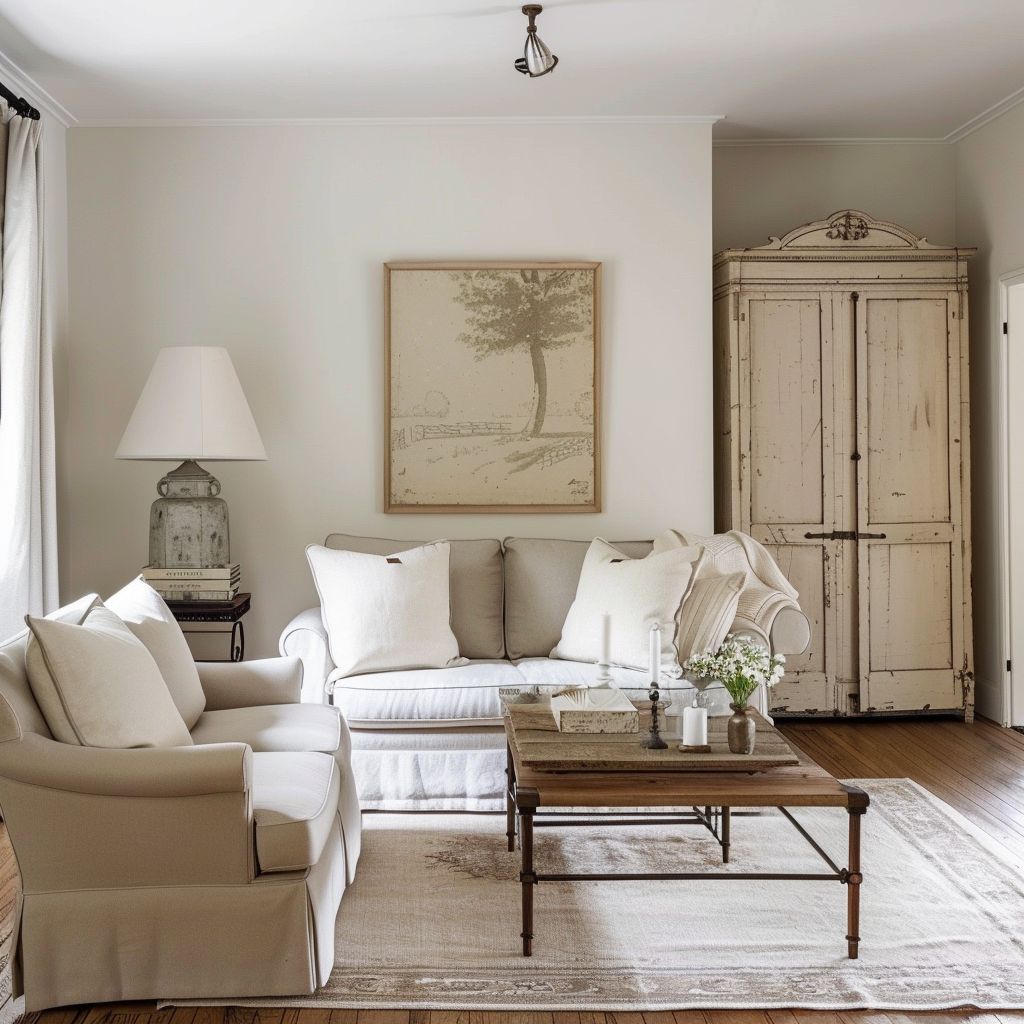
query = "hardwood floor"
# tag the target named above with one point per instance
(977, 768)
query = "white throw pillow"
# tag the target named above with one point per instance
(146, 614)
(98, 686)
(386, 612)
(708, 613)
(636, 593)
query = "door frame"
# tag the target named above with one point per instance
(1012, 681)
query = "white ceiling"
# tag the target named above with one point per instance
(774, 68)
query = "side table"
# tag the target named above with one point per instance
(228, 612)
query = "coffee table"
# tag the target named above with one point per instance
(565, 781)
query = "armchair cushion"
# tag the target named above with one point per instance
(295, 806)
(273, 727)
(148, 617)
(98, 686)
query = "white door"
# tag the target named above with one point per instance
(1012, 709)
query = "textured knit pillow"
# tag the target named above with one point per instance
(386, 612)
(708, 613)
(148, 617)
(98, 686)
(635, 593)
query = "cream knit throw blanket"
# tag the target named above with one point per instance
(765, 590)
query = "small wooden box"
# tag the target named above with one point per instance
(598, 710)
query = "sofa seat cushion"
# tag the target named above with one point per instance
(295, 805)
(466, 695)
(273, 727)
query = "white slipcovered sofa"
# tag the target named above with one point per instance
(211, 870)
(432, 739)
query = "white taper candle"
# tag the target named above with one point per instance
(606, 638)
(655, 662)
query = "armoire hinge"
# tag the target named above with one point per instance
(1006, 327)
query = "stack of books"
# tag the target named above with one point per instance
(215, 583)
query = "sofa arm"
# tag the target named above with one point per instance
(305, 638)
(250, 684)
(790, 633)
(92, 818)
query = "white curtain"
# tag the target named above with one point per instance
(28, 533)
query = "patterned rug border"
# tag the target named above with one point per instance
(916, 989)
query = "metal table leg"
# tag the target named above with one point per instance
(853, 881)
(527, 877)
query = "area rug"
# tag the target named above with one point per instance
(433, 919)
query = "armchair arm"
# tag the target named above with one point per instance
(250, 684)
(92, 818)
(306, 638)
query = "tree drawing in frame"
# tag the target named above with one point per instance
(493, 390)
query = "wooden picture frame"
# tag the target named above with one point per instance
(476, 418)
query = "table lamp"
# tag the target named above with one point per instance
(191, 408)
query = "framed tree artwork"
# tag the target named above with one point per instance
(492, 387)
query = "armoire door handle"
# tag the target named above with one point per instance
(844, 535)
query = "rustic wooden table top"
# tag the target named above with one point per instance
(534, 733)
(548, 773)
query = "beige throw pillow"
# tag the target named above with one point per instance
(148, 617)
(386, 612)
(636, 593)
(708, 613)
(98, 686)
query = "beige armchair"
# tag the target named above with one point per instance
(203, 871)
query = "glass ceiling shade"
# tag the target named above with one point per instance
(192, 407)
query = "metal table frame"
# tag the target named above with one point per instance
(522, 807)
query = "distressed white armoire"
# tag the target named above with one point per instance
(842, 444)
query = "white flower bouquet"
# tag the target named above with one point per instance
(741, 664)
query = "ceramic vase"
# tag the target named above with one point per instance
(742, 729)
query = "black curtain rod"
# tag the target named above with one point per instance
(19, 104)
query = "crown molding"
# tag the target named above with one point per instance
(371, 122)
(1006, 104)
(827, 141)
(18, 81)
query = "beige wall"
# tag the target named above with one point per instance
(270, 241)
(990, 215)
(761, 191)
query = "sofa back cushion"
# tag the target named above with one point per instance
(476, 588)
(541, 577)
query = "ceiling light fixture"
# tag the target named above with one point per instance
(537, 59)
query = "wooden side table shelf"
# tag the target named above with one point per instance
(228, 612)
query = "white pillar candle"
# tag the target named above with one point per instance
(695, 726)
(655, 663)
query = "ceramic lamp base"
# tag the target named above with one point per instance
(188, 523)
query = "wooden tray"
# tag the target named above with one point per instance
(532, 731)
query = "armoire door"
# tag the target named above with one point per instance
(908, 498)
(787, 483)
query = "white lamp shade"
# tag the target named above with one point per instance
(192, 407)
